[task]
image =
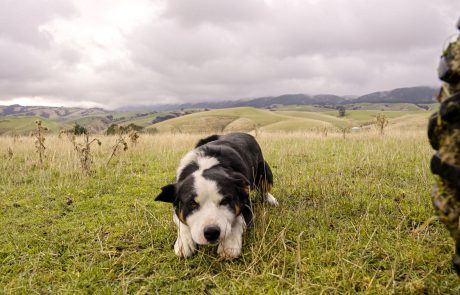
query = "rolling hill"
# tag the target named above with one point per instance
(23, 125)
(246, 119)
(250, 119)
(290, 112)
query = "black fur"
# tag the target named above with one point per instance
(168, 194)
(189, 169)
(241, 167)
(206, 140)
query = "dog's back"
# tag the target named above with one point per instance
(242, 153)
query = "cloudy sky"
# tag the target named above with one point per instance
(113, 53)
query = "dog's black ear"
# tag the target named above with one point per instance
(240, 179)
(168, 194)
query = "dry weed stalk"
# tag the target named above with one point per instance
(324, 130)
(121, 142)
(344, 130)
(133, 137)
(40, 140)
(381, 121)
(257, 131)
(10, 153)
(83, 149)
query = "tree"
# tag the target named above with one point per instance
(341, 110)
(113, 129)
(79, 130)
(119, 129)
(381, 121)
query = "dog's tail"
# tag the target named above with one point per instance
(207, 139)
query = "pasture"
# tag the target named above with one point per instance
(278, 119)
(354, 217)
(285, 119)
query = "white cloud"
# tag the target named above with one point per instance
(123, 52)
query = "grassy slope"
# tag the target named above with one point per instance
(328, 119)
(290, 119)
(25, 124)
(279, 120)
(143, 121)
(22, 125)
(369, 115)
(217, 120)
(346, 221)
(385, 106)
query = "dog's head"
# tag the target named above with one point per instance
(208, 201)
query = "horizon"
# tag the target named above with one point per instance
(28, 103)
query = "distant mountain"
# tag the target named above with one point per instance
(261, 102)
(50, 112)
(20, 119)
(290, 99)
(418, 95)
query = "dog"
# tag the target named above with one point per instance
(211, 193)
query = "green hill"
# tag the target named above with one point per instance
(23, 125)
(248, 119)
(219, 120)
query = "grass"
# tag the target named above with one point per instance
(361, 116)
(326, 119)
(23, 125)
(217, 120)
(283, 120)
(350, 221)
(280, 119)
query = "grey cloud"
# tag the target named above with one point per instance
(222, 12)
(199, 50)
(20, 20)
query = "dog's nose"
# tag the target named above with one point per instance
(212, 233)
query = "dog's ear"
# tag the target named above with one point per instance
(241, 181)
(168, 194)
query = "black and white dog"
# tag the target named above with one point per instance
(211, 193)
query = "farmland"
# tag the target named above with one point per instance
(295, 118)
(354, 216)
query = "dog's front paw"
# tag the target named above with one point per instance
(270, 199)
(230, 248)
(184, 248)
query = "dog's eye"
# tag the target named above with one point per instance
(224, 202)
(194, 205)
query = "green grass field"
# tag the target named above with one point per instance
(23, 125)
(351, 220)
(282, 120)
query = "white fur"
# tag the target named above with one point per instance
(209, 213)
(206, 189)
(184, 246)
(230, 247)
(270, 199)
(197, 156)
(209, 198)
(206, 162)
